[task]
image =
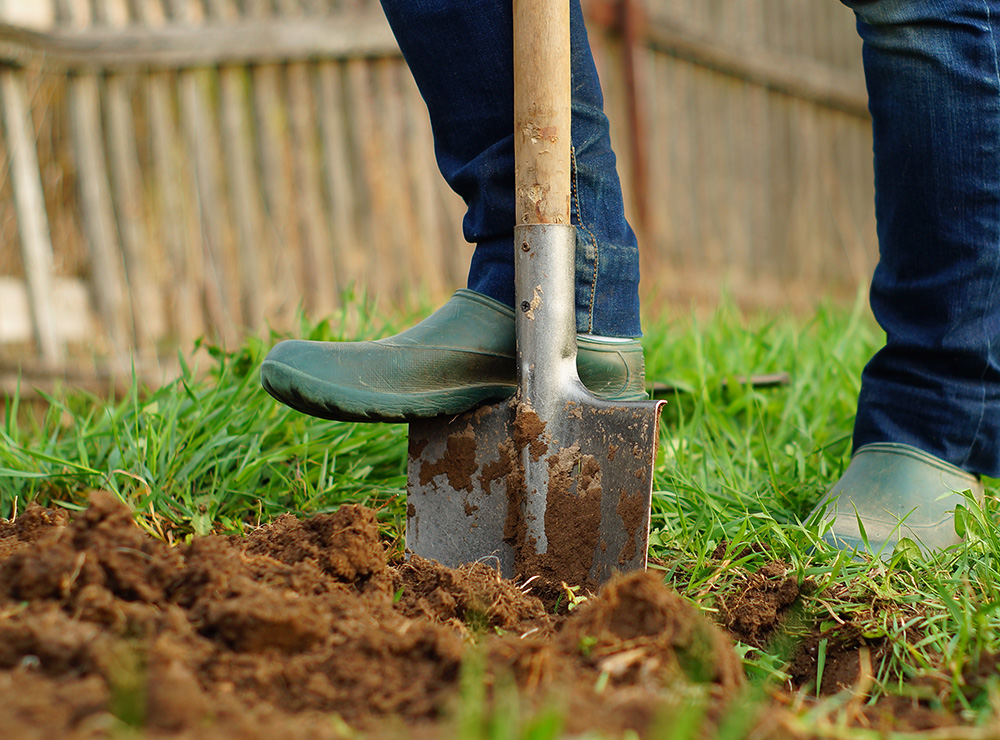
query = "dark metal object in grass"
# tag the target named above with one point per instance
(761, 380)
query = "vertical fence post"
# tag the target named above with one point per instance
(183, 274)
(196, 118)
(33, 223)
(272, 150)
(243, 184)
(314, 242)
(97, 211)
(341, 199)
(126, 189)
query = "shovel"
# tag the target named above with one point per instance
(553, 484)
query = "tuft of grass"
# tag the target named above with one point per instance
(208, 452)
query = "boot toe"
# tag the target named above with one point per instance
(383, 380)
(894, 491)
(290, 374)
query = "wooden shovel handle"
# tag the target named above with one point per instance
(542, 99)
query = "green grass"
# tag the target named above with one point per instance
(212, 452)
(209, 452)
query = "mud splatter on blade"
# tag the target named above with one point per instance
(457, 488)
(485, 485)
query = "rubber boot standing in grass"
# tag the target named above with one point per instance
(928, 421)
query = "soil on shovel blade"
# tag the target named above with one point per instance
(303, 630)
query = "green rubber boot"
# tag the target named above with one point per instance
(458, 357)
(897, 491)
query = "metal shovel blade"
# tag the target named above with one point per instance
(469, 500)
(555, 482)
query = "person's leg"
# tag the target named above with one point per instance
(933, 75)
(461, 55)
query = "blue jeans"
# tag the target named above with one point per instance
(933, 78)
(461, 55)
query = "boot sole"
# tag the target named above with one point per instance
(282, 383)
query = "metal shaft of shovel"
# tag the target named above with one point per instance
(554, 483)
(586, 515)
(544, 238)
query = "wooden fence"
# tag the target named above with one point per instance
(185, 168)
(746, 150)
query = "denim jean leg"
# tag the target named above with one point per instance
(934, 93)
(607, 255)
(460, 53)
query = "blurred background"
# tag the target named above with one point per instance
(176, 169)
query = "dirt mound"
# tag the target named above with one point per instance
(758, 609)
(666, 637)
(301, 630)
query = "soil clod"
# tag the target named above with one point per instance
(758, 608)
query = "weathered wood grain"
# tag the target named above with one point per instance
(97, 210)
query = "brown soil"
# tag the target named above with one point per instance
(842, 649)
(758, 608)
(301, 629)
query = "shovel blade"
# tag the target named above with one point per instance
(456, 488)
(564, 496)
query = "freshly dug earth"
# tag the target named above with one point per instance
(302, 630)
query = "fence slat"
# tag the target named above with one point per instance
(32, 219)
(199, 130)
(126, 190)
(285, 296)
(365, 128)
(425, 180)
(196, 120)
(342, 201)
(403, 240)
(97, 210)
(313, 231)
(182, 251)
(181, 255)
(243, 185)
